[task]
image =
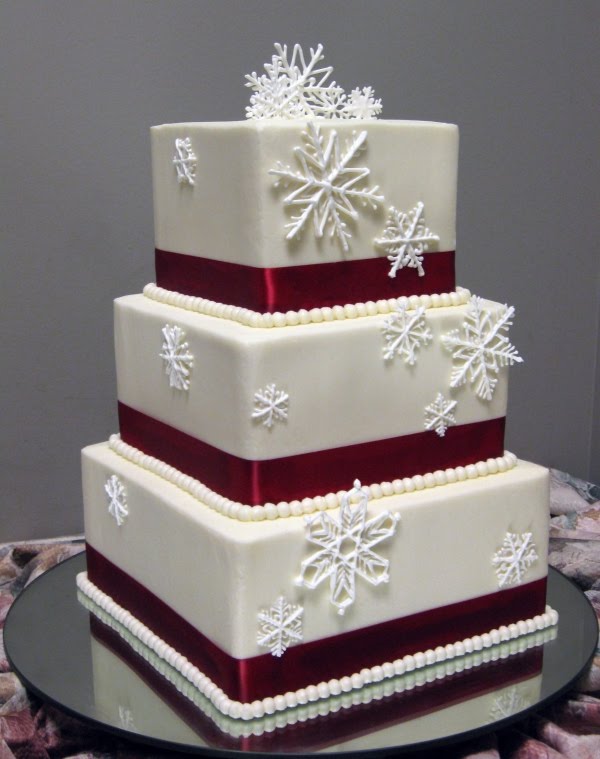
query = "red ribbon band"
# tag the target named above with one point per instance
(290, 288)
(321, 660)
(315, 473)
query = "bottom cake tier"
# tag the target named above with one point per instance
(262, 615)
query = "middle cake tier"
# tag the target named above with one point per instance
(270, 415)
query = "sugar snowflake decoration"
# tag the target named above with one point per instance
(270, 405)
(117, 499)
(406, 238)
(327, 187)
(184, 161)
(481, 347)
(404, 333)
(177, 357)
(126, 718)
(514, 557)
(280, 626)
(295, 87)
(439, 415)
(508, 703)
(345, 548)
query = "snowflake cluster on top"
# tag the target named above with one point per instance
(296, 87)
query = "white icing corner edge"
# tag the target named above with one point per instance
(247, 513)
(123, 622)
(250, 318)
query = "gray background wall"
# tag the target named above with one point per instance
(83, 81)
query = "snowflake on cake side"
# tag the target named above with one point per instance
(327, 188)
(404, 333)
(439, 415)
(280, 626)
(117, 499)
(406, 238)
(177, 357)
(296, 86)
(270, 405)
(184, 161)
(514, 557)
(481, 347)
(346, 544)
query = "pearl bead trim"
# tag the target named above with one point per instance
(123, 622)
(251, 318)
(247, 513)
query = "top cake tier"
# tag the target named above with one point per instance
(279, 215)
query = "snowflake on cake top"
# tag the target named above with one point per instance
(406, 238)
(270, 405)
(404, 333)
(514, 557)
(327, 188)
(280, 626)
(439, 415)
(184, 161)
(117, 499)
(481, 347)
(295, 87)
(177, 357)
(345, 548)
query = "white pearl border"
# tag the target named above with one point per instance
(323, 690)
(250, 318)
(246, 513)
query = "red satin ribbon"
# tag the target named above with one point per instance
(361, 719)
(321, 660)
(294, 287)
(310, 474)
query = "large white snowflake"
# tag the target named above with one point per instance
(439, 415)
(327, 188)
(280, 626)
(184, 161)
(346, 544)
(117, 499)
(295, 87)
(404, 333)
(177, 357)
(270, 405)
(406, 238)
(481, 347)
(514, 557)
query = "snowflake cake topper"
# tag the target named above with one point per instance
(270, 405)
(439, 415)
(184, 161)
(327, 188)
(482, 348)
(296, 87)
(177, 357)
(514, 558)
(345, 548)
(406, 238)
(404, 333)
(117, 499)
(280, 626)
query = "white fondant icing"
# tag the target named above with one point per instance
(462, 654)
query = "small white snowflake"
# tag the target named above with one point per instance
(184, 161)
(327, 187)
(117, 499)
(177, 357)
(513, 559)
(439, 415)
(280, 626)
(406, 238)
(405, 332)
(346, 544)
(482, 348)
(296, 87)
(270, 405)
(508, 703)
